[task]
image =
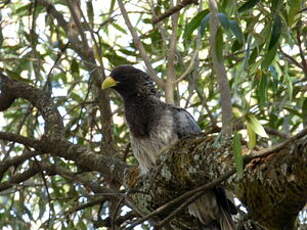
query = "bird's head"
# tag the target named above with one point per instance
(127, 81)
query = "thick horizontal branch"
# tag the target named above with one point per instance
(110, 167)
(14, 161)
(19, 178)
(272, 187)
(38, 98)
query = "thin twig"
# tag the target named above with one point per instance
(114, 216)
(140, 46)
(267, 151)
(75, 13)
(59, 55)
(87, 205)
(203, 99)
(51, 207)
(187, 195)
(295, 62)
(174, 10)
(15, 161)
(189, 69)
(302, 53)
(18, 178)
(198, 192)
(171, 72)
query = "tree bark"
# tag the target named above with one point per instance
(272, 188)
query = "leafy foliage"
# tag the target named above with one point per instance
(263, 44)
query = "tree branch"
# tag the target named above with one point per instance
(38, 98)
(171, 73)
(184, 199)
(18, 178)
(174, 10)
(219, 69)
(280, 178)
(14, 161)
(189, 69)
(267, 151)
(109, 167)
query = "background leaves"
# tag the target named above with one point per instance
(258, 41)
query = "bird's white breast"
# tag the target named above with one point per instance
(148, 149)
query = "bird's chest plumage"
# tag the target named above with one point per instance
(151, 131)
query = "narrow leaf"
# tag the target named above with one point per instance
(119, 28)
(248, 5)
(237, 149)
(293, 11)
(253, 56)
(236, 30)
(74, 67)
(204, 24)
(269, 57)
(224, 20)
(256, 126)
(276, 31)
(194, 23)
(262, 87)
(219, 45)
(304, 112)
(289, 84)
(251, 136)
(90, 12)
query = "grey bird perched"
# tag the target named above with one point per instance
(155, 125)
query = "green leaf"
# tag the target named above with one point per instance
(251, 136)
(293, 11)
(236, 46)
(262, 87)
(254, 55)
(74, 68)
(276, 31)
(236, 30)
(1, 37)
(276, 4)
(237, 149)
(224, 20)
(204, 24)
(288, 82)
(255, 125)
(219, 44)
(90, 12)
(15, 76)
(194, 23)
(269, 57)
(147, 21)
(248, 5)
(293, 111)
(119, 28)
(304, 112)
(128, 52)
(116, 59)
(112, 6)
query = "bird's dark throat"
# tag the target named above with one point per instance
(140, 114)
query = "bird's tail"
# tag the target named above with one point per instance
(225, 221)
(214, 210)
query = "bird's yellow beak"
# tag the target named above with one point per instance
(108, 83)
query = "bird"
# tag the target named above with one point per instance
(155, 125)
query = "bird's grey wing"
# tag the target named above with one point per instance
(185, 124)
